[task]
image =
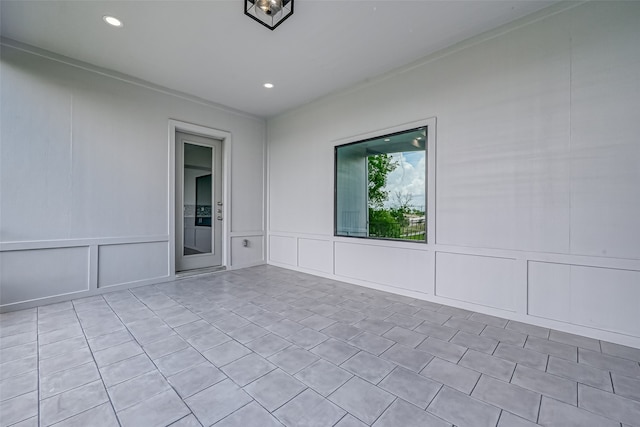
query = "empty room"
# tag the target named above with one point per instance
(327, 213)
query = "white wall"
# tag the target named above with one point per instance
(537, 174)
(84, 176)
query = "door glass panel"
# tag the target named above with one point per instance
(198, 196)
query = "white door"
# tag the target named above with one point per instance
(199, 212)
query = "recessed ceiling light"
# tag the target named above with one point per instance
(387, 140)
(112, 20)
(268, 85)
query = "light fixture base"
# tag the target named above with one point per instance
(270, 13)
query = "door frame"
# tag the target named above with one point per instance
(225, 137)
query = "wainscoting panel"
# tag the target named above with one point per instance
(131, 262)
(481, 280)
(40, 273)
(391, 266)
(251, 254)
(283, 250)
(316, 255)
(601, 298)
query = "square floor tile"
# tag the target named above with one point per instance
(105, 341)
(179, 361)
(275, 389)
(161, 409)
(557, 414)
(216, 402)
(72, 402)
(369, 367)
(317, 322)
(403, 414)
(361, 399)
(520, 401)
(375, 326)
(371, 342)
(487, 364)
(100, 416)
(323, 377)
(411, 359)
(404, 336)
(285, 327)
(581, 373)
(476, 342)
(117, 353)
(247, 369)
(462, 410)
(19, 408)
(522, 356)
(411, 387)
(62, 381)
(293, 359)
(442, 349)
(342, 331)
(226, 353)
(122, 371)
(452, 375)
(609, 405)
(307, 338)
(249, 415)
(195, 379)
(564, 351)
(208, 339)
(547, 384)
(268, 345)
(309, 409)
(334, 351)
(137, 389)
(248, 333)
(19, 384)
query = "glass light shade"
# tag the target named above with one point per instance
(270, 7)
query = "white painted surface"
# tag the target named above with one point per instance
(397, 267)
(537, 162)
(606, 299)
(128, 263)
(316, 254)
(86, 157)
(477, 279)
(549, 289)
(251, 254)
(283, 250)
(27, 275)
(605, 165)
(600, 298)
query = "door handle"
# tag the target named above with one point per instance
(219, 218)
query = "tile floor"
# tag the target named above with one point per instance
(269, 347)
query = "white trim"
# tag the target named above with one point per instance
(225, 137)
(430, 124)
(72, 243)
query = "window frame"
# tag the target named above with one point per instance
(430, 162)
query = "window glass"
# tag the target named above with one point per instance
(380, 187)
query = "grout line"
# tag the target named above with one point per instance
(539, 408)
(38, 361)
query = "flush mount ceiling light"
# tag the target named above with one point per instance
(268, 85)
(112, 20)
(269, 13)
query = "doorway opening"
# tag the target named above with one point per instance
(199, 199)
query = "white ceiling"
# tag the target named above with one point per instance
(209, 49)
